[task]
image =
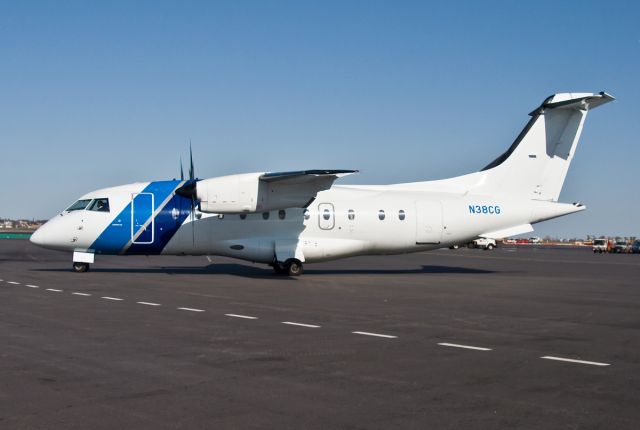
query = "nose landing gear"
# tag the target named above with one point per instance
(80, 267)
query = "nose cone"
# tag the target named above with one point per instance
(39, 237)
(52, 234)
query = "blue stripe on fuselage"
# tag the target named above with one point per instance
(166, 224)
(117, 235)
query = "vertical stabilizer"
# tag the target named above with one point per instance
(536, 165)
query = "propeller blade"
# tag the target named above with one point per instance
(193, 224)
(191, 171)
(181, 172)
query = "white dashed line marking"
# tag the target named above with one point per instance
(366, 333)
(112, 298)
(81, 294)
(191, 309)
(247, 317)
(148, 303)
(571, 360)
(54, 290)
(13, 282)
(31, 286)
(300, 324)
(455, 345)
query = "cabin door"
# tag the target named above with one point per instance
(428, 222)
(142, 218)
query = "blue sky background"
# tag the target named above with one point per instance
(100, 94)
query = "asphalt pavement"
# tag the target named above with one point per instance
(511, 338)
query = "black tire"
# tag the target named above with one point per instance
(293, 267)
(80, 267)
(490, 247)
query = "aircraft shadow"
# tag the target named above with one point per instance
(258, 272)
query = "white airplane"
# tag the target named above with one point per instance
(285, 219)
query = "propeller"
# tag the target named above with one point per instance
(188, 190)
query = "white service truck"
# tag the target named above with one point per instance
(484, 243)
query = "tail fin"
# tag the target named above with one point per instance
(536, 165)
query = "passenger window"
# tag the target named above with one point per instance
(307, 214)
(282, 214)
(79, 205)
(99, 205)
(243, 216)
(351, 215)
(381, 214)
(265, 215)
(401, 215)
(326, 214)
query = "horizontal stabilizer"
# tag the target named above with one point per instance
(508, 232)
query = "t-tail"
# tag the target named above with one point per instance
(536, 164)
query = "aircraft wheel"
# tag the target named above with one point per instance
(80, 267)
(293, 267)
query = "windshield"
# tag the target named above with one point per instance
(599, 242)
(79, 205)
(99, 205)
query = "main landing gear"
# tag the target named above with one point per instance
(291, 267)
(80, 267)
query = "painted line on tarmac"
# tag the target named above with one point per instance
(81, 294)
(112, 298)
(456, 345)
(571, 360)
(148, 303)
(13, 282)
(31, 286)
(54, 290)
(191, 309)
(366, 333)
(247, 317)
(301, 324)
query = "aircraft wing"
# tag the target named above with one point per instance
(298, 188)
(305, 176)
(255, 192)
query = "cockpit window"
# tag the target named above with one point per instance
(99, 205)
(79, 205)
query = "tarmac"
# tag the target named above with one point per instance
(511, 338)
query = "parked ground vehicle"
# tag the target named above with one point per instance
(483, 243)
(635, 248)
(620, 246)
(535, 240)
(599, 245)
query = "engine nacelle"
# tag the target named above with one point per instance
(231, 194)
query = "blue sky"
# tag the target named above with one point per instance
(100, 94)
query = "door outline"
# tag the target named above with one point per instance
(138, 228)
(331, 222)
(429, 222)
